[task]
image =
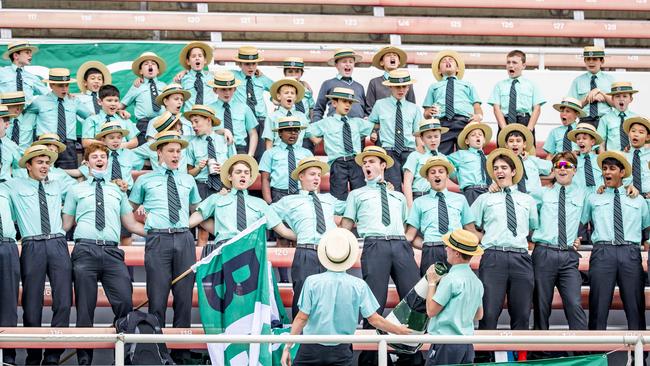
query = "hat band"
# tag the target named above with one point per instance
(4, 113)
(594, 54)
(195, 111)
(60, 78)
(12, 100)
(289, 124)
(405, 79)
(469, 248)
(341, 95)
(166, 124)
(18, 46)
(169, 137)
(571, 105)
(622, 88)
(48, 139)
(225, 82)
(294, 64)
(344, 54)
(111, 128)
(338, 261)
(248, 57)
(430, 126)
(173, 90)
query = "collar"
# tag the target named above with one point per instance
(598, 74)
(460, 267)
(433, 192)
(513, 189)
(338, 117)
(386, 75)
(303, 192)
(444, 78)
(33, 182)
(233, 192)
(146, 81)
(375, 182)
(92, 179)
(567, 189)
(472, 149)
(621, 190)
(340, 77)
(394, 100)
(284, 110)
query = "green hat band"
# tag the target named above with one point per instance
(225, 82)
(12, 100)
(4, 113)
(593, 54)
(622, 88)
(430, 126)
(294, 64)
(111, 128)
(461, 245)
(248, 57)
(344, 54)
(405, 79)
(173, 90)
(571, 105)
(289, 124)
(169, 137)
(335, 95)
(60, 78)
(48, 139)
(195, 110)
(18, 46)
(166, 124)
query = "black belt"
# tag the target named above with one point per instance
(284, 191)
(8, 240)
(307, 246)
(101, 243)
(406, 149)
(433, 244)
(551, 246)
(477, 186)
(612, 242)
(523, 114)
(508, 249)
(43, 237)
(145, 119)
(345, 158)
(385, 237)
(171, 230)
(419, 194)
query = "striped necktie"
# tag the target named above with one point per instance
(300, 107)
(251, 101)
(19, 79)
(561, 219)
(510, 211)
(100, 218)
(566, 143)
(385, 213)
(61, 123)
(318, 208)
(116, 168)
(521, 185)
(198, 86)
(15, 131)
(291, 165)
(289, 114)
(96, 107)
(434, 153)
(449, 98)
(623, 136)
(45, 215)
(347, 136)
(227, 117)
(443, 218)
(241, 211)
(153, 91)
(399, 128)
(593, 107)
(484, 174)
(636, 170)
(173, 201)
(619, 233)
(213, 179)
(589, 172)
(512, 103)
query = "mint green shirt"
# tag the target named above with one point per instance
(127, 160)
(555, 140)
(243, 119)
(7, 217)
(81, 203)
(468, 167)
(144, 153)
(141, 96)
(46, 109)
(548, 199)
(333, 301)
(223, 209)
(93, 125)
(32, 84)
(535, 167)
(581, 86)
(364, 208)
(580, 180)
(644, 158)
(424, 214)
(10, 157)
(198, 150)
(465, 96)
(275, 161)
(187, 82)
(599, 209)
(331, 130)
(26, 207)
(490, 212)
(460, 294)
(609, 128)
(528, 95)
(271, 122)
(260, 85)
(414, 163)
(150, 190)
(298, 211)
(383, 114)
(26, 128)
(55, 173)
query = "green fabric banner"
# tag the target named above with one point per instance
(592, 360)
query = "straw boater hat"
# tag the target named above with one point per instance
(300, 89)
(587, 128)
(111, 127)
(487, 132)
(166, 137)
(338, 250)
(35, 151)
(172, 89)
(519, 168)
(162, 65)
(18, 46)
(429, 125)
(293, 63)
(528, 136)
(59, 76)
(207, 50)
(50, 139)
(12, 98)
(4, 112)
(622, 87)
(436, 161)
(593, 51)
(81, 73)
(166, 121)
(627, 124)
(398, 78)
(374, 151)
(435, 65)
(463, 241)
(307, 163)
(248, 54)
(224, 80)
(343, 53)
(377, 58)
(205, 111)
(342, 93)
(289, 122)
(570, 103)
(618, 156)
(225, 167)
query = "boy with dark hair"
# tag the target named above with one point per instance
(194, 57)
(21, 129)
(519, 139)
(591, 88)
(294, 67)
(610, 126)
(14, 77)
(109, 100)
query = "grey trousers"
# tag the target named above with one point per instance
(305, 263)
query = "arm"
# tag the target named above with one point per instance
(433, 278)
(208, 225)
(412, 236)
(537, 109)
(380, 322)
(68, 222)
(252, 141)
(266, 187)
(471, 227)
(133, 226)
(347, 223)
(478, 112)
(407, 186)
(501, 120)
(131, 144)
(285, 232)
(196, 219)
(299, 322)
(195, 170)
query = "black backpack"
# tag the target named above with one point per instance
(137, 322)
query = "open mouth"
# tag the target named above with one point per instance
(368, 172)
(515, 150)
(634, 140)
(437, 180)
(607, 178)
(621, 106)
(289, 101)
(581, 146)
(347, 70)
(197, 63)
(151, 69)
(392, 62)
(242, 181)
(500, 177)
(563, 119)
(511, 72)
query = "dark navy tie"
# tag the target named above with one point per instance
(623, 136)
(291, 165)
(521, 185)
(198, 86)
(399, 128)
(589, 172)
(443, 218)
(385, 213)
(19, 79)
(318, 208)
(561, 219)
(213, 179)
(45, 215)
(173, 201)
(227, 117)
(251, 101)
(153, 91)
(347, 136)
(512, 103)
(241, 211)
(449, 98)
(619, 233)
(15, 132)
(636, 170)
(116, 169)
(61, 125)
(566, 143)
(100, 218)
(510, 211)
(593, 107)
(96, 107)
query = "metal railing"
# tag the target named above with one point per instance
(636, 341)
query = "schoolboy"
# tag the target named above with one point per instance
(437, 213)
(453, 100)
(294, 67)
(516, 99)
(236, 116)
(610, 126)
(164, 123)
(397, 120)
(591, 88)
(588, 175)
(519, 139)
(91, 76)
(506, 218)
(57, 112)
(342, 135)
(172, 98)
(109, 100)
(97, 207)
(9, 155)
(15, 77)
(194, 57)
(287, 92)
(618, 221)
(414, 185)
(387, 59)
(10, 270)
(638, 132)
(21, 130)
(52, 142)
(472, 175)
(343, 60)
(147, 66)
(558, 139)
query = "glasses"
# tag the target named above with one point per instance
(564, 165)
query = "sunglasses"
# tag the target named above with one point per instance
(564, 165)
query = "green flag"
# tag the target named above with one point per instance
(592, 360)
(236, 296)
